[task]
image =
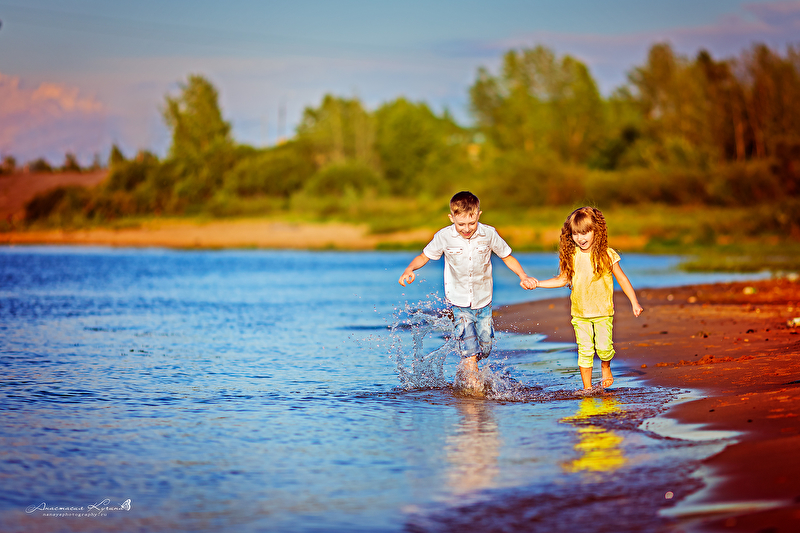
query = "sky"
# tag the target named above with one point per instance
(80, 75)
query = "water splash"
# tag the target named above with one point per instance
(421, 342)
(424, 320)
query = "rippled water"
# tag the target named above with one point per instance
(156, 390)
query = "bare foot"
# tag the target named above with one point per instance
(608, 378)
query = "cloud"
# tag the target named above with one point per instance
(777, 15)
(48, 121)
(612, 56)
(260, 90)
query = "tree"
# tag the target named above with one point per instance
(9, 165)
(196, 121)
(39, 165)
(409, 140)
(725, 106)
(202, 149)
(339, 130)
(70, 163)
(540, 105)
(116, 157)
(624, 124)
(671, 94)
(276, 172)
(771, 86)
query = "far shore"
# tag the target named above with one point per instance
(738, 346)
(238, 233)
(17, 189)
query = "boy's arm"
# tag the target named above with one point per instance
(408, 274)
(553, 283)
(525, 281)
(627, 288)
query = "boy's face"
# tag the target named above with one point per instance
(466, 223)
(584, 240)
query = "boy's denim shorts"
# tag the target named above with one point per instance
(473, 330)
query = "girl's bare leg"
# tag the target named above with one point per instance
(586, 377)
(608, 378)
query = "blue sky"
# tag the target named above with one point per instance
(78, 75)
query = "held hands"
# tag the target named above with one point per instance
(407, 277)
(528, 283)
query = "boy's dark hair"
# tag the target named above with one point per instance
(464, 202)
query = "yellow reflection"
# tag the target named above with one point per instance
(599, 449)
(473, 449)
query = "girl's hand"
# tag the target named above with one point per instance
(637, 309)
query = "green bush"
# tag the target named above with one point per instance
(353, 178)
(57, 203)
(127, 175)
(39, 165)
(749, 183)
(277, 172)
(782, 218)
(681, 186)
(519, 180)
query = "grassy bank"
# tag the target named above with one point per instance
(712, 238)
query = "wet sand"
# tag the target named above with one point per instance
(733, 346)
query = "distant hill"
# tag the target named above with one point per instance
(17, 189)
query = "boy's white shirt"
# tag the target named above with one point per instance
(467, 264)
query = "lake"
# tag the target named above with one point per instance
(162, 390)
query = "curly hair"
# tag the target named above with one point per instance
(584, 220)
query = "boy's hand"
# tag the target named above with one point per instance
(407, 277)
(529, 283)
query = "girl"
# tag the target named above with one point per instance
(586, 265)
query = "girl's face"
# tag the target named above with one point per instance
(584, 240)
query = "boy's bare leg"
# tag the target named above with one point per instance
(586, 377)
(468, 369)
(608, 378)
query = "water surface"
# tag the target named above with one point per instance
(159, 390)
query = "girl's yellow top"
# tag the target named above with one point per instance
(592, 297)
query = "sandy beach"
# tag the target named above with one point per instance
(736, 347)
(213, 234)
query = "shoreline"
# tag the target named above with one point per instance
(224, 234)
(731, 344)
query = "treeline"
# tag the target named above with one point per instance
(9, 165)
(681, 131)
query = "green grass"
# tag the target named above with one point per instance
(713, 238)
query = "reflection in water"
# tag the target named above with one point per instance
(599, 448)
(473, 450)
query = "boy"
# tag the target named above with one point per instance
(467, 247)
